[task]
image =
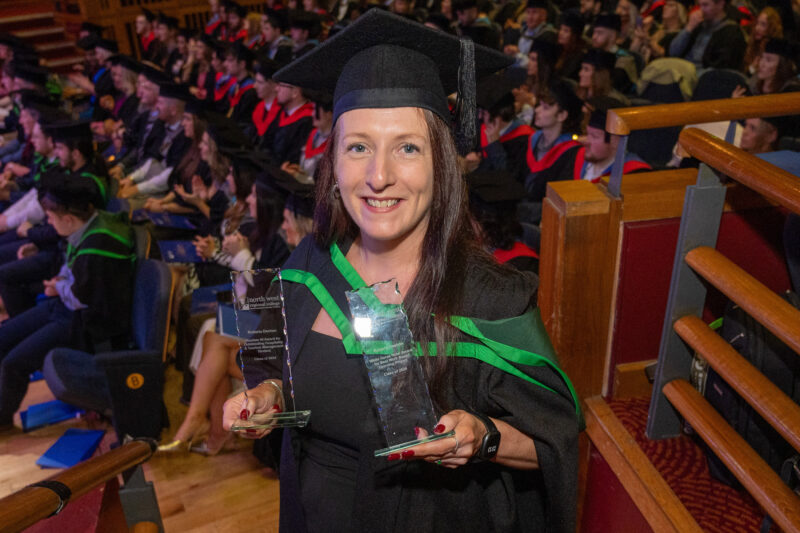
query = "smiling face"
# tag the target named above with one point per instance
(384, 169)
(767, 66)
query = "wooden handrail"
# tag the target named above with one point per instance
(756, 476)
(775, 313)
(31, 504)
(766, 179)
(647, 488)
(771, 403)
(627, 119)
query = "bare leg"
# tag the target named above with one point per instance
(212, 371)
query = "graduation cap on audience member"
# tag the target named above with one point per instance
(241, 52)
(93, 29)
(30, 73)
(69, 191)
(461, 5)
(600, 106)
(571, 18)
(441, 21)
(69, 131)
(537, 4)
(494, 190)
(87, 43)
(169, 22)
(26, 56)
(563, 93)
(608, 20)
(781, 47)
(782, 124)
(546, 51)
(176, 91)
(383, 61)
(107, 44)
(186, 33)
(305, 20)
(278, 18)
(127, 62)
(267, 68)
(149, 15)
(494, 92)
(299, 196)
(36, 100)
(153, 73)
(600, 59)
(10, 40)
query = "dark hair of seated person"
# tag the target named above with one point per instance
(82, 212)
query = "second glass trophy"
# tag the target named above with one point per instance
(398, 382)
(260, 326)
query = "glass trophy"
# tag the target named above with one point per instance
(398, 382)
(257, 318)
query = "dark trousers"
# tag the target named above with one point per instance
(21, 280)
(25, 340)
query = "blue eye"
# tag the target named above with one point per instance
(357, 147)
(410, 148)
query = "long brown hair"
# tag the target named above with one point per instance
(774, 29)
(450, 244)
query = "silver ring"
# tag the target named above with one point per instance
(457, 445)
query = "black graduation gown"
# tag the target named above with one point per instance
(377, 495)
(128, 111)
(290, 140)
(242, 112)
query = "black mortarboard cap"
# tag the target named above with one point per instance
(563, 93)
(26, 56)
(69, 131)
(170, 22)
(10, 40)
(241, 52)
(600, 59)
(538, 4)
(300, 199)
(31, 73)
(441, 21)
(34, 99)
(783, 124)
(305, 20)
(178, 91)
(600, 106)
(267, 68)
(546, 51)
(87, 43)
(384, 61)
(127, 62)
(461, 5)
(237, 8)
(226, 133)
(67, 190)
(781, 47)
(149, 15)
(186, 33)
(494, 188)
(495, 91)
(107, 44)
(153, 73)
(195, 107)
(572, 19)
(608, 20)
(92, 28)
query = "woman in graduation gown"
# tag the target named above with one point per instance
(391, 203)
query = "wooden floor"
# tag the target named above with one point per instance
(229, 492)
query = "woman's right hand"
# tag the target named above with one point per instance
(263, 399)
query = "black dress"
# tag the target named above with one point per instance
(330, 479)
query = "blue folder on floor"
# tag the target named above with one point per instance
(179, 252)
(74, 446)
(44, 414)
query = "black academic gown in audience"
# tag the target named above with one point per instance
(128, 110)
(243, 102)
(148, 145)
(104, 86)
(264, 125)
(292, 133)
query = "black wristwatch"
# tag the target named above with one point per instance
(491, 441)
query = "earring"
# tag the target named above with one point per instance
(336, 193)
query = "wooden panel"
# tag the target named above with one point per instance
(648, 489)
(771, 403)
(623, 121)
(774, 183)
(754, 474)
(579, 230)
(775, 313)
(630, 380)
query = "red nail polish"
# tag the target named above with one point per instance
(439, 429)
(393, 457)
(244, 414)
(416, 432)
(277, 408)
(251, 430)
(408, 454)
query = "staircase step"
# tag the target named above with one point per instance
(62, 62)
(26, 21)
(56, 45)
(39, 32)
(27, 17)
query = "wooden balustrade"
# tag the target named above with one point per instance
(31, 504)
(775, 313)
(623, 121)
(768, 180)
(774, 496)
(780, 411)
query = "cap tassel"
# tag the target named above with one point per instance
(466, 128)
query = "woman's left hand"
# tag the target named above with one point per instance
(450, 452)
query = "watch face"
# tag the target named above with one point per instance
(490, 445)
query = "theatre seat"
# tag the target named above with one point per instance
(134, 377)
